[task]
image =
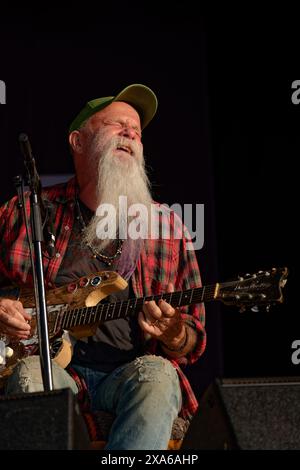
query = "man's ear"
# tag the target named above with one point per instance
(75, 141)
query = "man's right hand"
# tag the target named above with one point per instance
(13, 319)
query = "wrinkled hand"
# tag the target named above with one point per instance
(13, 319)
(161, 320)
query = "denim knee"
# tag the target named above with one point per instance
(154, 369)
(162, 376)
(27, 377)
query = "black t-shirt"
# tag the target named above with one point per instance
(117, 341)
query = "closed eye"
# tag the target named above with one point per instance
(120, 125)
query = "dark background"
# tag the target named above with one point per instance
(226, 135)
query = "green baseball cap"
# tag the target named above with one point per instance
(140, 97)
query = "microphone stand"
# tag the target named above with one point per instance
(35, 242)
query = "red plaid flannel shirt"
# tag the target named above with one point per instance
(161, 261)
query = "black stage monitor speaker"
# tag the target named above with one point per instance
(42, 421)
(247, 414)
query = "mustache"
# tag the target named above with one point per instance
(133, 147)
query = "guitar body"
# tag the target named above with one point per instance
(87, 291)
(64, 354)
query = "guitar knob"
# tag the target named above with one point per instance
(72, 288)
(84, 281)
(96, 281)
(240, 278)
(263, 296)
(250, 296)
(237, 297)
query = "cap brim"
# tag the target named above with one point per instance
(142, 99)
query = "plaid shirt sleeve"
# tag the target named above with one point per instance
(186, 275)
(14, 252)
(3, 217)
(15, 264)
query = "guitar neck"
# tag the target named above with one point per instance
(112, 311)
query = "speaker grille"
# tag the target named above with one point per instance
(41, 421)
(264, 417)
(255, 413)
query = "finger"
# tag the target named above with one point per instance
(166, 309)
(18, 336)
(145, 323)
(13, 318)
(13, 332)
(152, 310)
(13, 308)
(147, 327)
(170, 287)
(19, 306)
(149, 318)
(8, 329)
(27, 316)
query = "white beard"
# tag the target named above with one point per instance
(117, 175)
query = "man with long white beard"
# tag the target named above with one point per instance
(131, 365)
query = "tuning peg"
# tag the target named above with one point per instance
(267, 273)
(255, 308)
(263, 296)
(240, 278)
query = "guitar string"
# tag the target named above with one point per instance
(99, 309)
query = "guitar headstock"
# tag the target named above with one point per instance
(254, 290)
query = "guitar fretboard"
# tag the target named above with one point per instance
(111, 311)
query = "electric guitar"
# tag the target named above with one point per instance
(75, 311)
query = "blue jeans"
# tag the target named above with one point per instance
(144, 394)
